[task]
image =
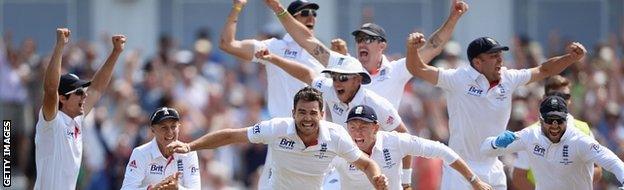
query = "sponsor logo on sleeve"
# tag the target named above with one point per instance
(132, 164)
(194, 170)
(390, 120)
(256, 129)
(596, 148)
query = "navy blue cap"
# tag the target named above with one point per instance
(70, 82)
(362, 112)
(553, 106)
(299, 5)
(371, 29)
(162, 114)
(484, 45)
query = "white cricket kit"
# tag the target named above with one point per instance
(568, 164)
(388, 152)
(475, 113)
(390, 81)
(281, 87)
(58, 151)
(147, 166)
(388, 116)
(295, 166)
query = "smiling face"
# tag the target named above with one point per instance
(489, 64)
(73, 104)
(553, 128)
(166, 132)
(363, 133)
(307, 115)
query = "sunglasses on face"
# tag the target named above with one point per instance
(342, 77)
(366, 39)
(78, 91)
(550, 121)
(306, 13)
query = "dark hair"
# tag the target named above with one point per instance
(60, 104)
(555, 82)
(309, 94)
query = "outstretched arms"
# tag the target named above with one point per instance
(436, 42)
(52, 75)
(211, 140)
(103, 76)
(242, 49)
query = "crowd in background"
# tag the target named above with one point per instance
(213, 91)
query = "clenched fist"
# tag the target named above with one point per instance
(576, 50)
(62, 36)
(118, 42)
(177, 147)
(415, 41)
(381, 182)
(339, 45)
(458, 8)
(264, 54)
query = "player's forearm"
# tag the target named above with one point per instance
(53, 71)
(436, 42)
(463, 169)
(609, 161)
(215, 139)
(103, 76)
(488, 148)
(520, 180)
(556, 65)
(296, 70)
(369, 168)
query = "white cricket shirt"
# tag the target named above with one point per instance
(390, 81)
(568, 164)
(281, 87)
(388, 152)
(295, 166)
(387, 115)
(475, 111)
(147, 166)
(58, 151)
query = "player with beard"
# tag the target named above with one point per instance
(560, 155)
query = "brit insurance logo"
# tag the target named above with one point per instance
(287, 144)
(338, 110)
(156, 169)
(290, 53)
(539, 150)
(474, 91)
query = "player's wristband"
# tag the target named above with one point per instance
(406, 176)
(237, 7)
(281, 14)
(474, 178)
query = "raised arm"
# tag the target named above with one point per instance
(575, 51)
(372, 171)
(211, 140)
(52, 76)
(302, 35)
(297, 70)
(103, 75)
(414, 62)
(436, 42)
(242, 49)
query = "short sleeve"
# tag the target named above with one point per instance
(447, 78)
(400, 71)
(389, 118)
(135, 171)
(518, 77)
(191, 174)
(346, 147)
(323, 84)
(262, 132)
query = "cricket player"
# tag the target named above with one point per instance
(151, 167)
(66, 100)
(387, 148)
(522, 176)
(560, 155)
(303, 146)
(479, 100)
(280, 85)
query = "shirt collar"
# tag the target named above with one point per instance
(154, 151)
(68, 120)
(358, 98)
(378, 142)
(472, 72)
